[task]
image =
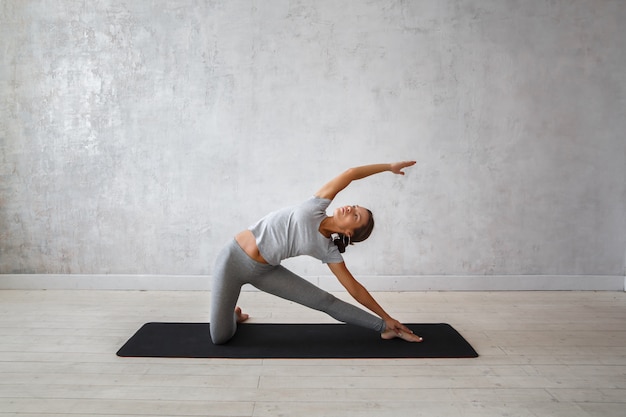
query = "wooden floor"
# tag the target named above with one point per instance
(542, 354)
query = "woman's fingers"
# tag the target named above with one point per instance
(399, 166)
(398, 327)
(403, 328)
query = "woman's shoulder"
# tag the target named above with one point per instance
(317, 202)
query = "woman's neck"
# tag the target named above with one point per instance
(327, 227)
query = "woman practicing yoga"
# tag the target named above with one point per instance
(254, 257)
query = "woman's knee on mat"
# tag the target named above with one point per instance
(221, 335)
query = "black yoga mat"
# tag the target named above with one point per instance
(293, 341)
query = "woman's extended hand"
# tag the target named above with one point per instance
(396, 329)
(396, 326)
(397, 167)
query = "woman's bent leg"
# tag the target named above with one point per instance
(223, 319)
(233, 269)
(224, 294)
(285, 284)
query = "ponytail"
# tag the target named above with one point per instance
(341, 241)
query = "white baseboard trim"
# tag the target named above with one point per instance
(329, 283)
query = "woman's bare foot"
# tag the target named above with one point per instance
(409, 337)
(241, 317)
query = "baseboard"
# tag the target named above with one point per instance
(329, 283)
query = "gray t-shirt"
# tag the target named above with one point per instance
(294, 231)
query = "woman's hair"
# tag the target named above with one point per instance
(360, 234)
(364, 231)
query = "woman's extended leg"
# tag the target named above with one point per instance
(285, 284)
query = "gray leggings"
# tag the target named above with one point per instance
(234, 268)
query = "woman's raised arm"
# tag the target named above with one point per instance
(334, 186)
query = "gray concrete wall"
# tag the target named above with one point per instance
(137, 137)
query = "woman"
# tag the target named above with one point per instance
(254, 257)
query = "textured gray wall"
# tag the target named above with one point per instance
(137, 137)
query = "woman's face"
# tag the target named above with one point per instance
(350, 218)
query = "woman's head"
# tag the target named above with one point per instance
(356, 225)
(364, 231)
